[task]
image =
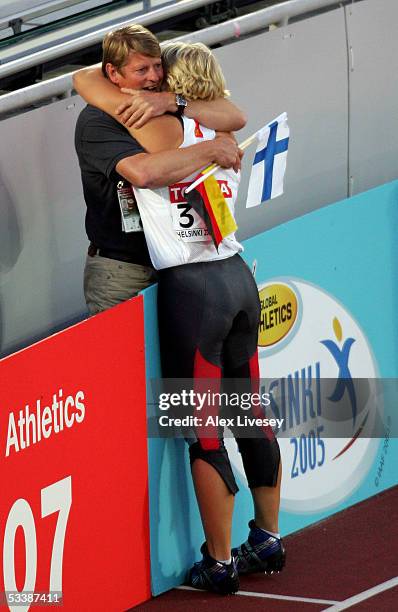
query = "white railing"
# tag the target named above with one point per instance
(94, 35)
(15, 14)
(23, 9)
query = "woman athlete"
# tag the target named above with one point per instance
(208, 308)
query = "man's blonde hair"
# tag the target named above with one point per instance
(193, 71)
(117, 45)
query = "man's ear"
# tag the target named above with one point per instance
(113, 74)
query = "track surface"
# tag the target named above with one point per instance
(348, 561)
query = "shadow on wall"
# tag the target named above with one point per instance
(10, 241)
(10, 235)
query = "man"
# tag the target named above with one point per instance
(118, 264)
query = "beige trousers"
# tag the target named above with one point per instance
(108, 282)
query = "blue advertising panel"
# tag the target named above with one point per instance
(328, 349)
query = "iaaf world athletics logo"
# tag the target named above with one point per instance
(317, 365)
(344, 382)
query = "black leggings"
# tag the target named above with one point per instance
(208, 323)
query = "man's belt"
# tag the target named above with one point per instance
(109, 253)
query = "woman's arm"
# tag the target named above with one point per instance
(98, 91)
(135, 108)
(159, 134)
(221, 114)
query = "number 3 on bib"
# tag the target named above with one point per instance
(187, 224)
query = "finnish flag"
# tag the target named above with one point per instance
(269, 164)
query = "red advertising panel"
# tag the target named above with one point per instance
(73, 468)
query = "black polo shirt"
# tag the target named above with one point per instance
(101, 142)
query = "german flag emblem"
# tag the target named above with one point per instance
(208, 201)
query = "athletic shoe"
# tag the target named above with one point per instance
(261, 552)
(212, 575)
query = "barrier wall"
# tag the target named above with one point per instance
(339, 265)
(73, 465)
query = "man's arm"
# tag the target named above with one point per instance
(151, 170)
(135, 108)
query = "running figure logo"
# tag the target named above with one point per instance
(341, 357)
(344, 381)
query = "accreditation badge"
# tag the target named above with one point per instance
(131, 220)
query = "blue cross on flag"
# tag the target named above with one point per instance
(269, 164)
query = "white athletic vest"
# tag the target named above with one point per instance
(174, 232)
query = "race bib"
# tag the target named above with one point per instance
(187, 224)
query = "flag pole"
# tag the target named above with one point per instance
(212, 169)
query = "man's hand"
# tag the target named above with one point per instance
(227, 152)
(143, 106)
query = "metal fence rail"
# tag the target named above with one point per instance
(235, 28)
(126, 16)
(13, 11)
(66, 24)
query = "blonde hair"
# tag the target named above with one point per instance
(193, 71)
(117, 45)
